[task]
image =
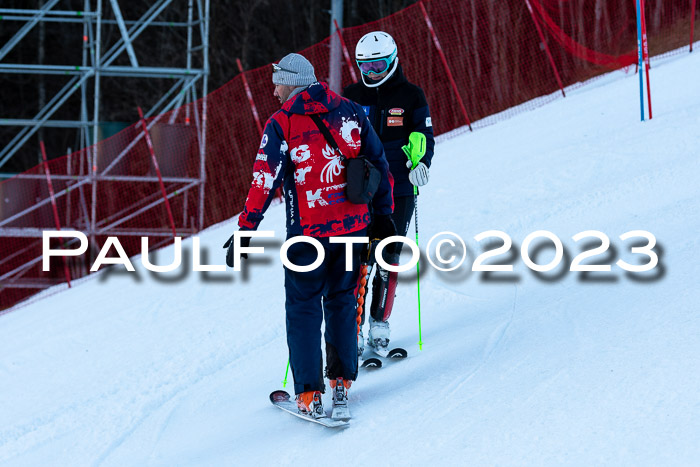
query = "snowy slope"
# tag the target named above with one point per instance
(144, 369)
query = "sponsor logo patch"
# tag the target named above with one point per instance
(394, 121)
(335, 198)
(396, 111)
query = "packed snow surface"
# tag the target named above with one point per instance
(559, 367)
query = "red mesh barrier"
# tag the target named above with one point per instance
(495, 54)
(579, 50)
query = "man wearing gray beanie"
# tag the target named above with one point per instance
(304, 148)
(292, 75)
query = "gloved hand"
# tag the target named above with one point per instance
(419, 175)
(245, 242)
(382, 226)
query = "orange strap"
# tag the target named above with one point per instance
(361, 295)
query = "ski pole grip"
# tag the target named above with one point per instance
(415, 149)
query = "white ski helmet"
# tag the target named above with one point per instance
(376, 53)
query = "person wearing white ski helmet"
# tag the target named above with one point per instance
(396, 108)
(376, 58)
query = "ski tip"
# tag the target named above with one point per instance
(279, 396)
(398, 352)
(372, 363)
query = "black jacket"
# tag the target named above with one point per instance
(396, 108)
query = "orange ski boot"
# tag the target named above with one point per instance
(309, 403)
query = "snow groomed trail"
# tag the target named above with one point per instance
(516, 368)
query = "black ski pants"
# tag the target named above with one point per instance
(403, 211)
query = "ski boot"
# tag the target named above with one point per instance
(378, 337)
(340, 399)
(309, 404)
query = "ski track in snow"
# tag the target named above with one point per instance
(493, 343)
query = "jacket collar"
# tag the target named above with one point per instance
(315, 99)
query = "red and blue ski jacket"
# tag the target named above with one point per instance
(293, 151)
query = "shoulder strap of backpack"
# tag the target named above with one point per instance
(326, 134)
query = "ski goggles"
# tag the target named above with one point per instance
(376, 66)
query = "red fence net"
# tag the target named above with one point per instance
(493, 51)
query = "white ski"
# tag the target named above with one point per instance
(283, 400)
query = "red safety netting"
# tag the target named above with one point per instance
(617, 26)
(480, 59)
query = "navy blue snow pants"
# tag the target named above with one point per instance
(328, 290)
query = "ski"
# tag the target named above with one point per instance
(395, 353)
(340, 411)
(341, 414)
(371, 363)
(374, 363)
(382, 352)
(283, 400)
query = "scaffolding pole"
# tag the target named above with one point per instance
(97, 60)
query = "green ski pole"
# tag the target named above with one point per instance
(415, 150)
(415, 221)
(286, 372)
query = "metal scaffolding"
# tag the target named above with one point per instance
(97, 60)
(96, 64)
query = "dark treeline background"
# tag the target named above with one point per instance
(256, 31)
